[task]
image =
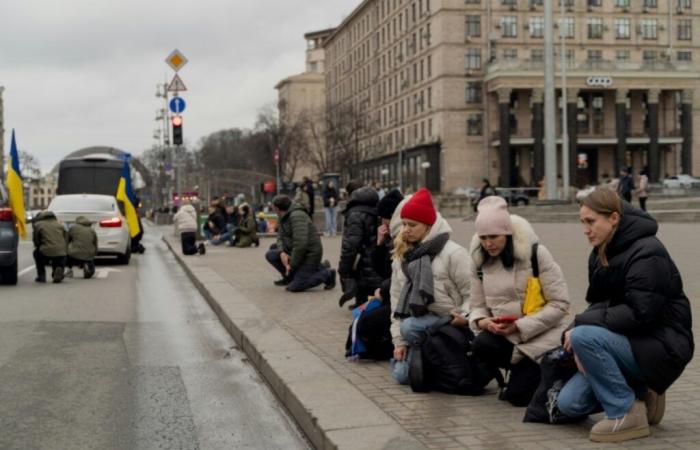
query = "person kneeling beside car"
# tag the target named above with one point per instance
(82, 247)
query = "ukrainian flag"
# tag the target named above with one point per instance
(126, 195)
(15, 189)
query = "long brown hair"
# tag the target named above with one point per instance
(604, 201)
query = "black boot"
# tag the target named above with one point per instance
(89, 270)
(57, 274)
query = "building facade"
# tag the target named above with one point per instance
(453, 89)
(40, 191)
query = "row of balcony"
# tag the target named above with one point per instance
(664, 65)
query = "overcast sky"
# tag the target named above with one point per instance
(79, 73)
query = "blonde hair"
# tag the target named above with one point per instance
(401, 245)
(604, 201)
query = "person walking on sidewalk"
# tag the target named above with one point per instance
(625, 186)
(430, 279)
(330, 204)
(357, 275)
(298, 252)
(643, 191)
(50, 246)
(185, 221)
(635, 338)
(503, 262)
(82, 247)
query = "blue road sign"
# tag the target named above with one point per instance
(177, 105)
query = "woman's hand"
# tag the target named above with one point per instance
(502, 329)
(484, 324)
(378, 294)
(458, 320)
(400, 352)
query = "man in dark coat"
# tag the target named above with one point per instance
(216, 224)
(82, 247)
(358, 277)
(50, 246)
(626, 185)
(298, 252)
(312, 196)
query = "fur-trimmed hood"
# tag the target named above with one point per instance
(523, 238)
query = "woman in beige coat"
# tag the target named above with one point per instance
(501, 252)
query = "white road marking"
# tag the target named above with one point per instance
(104, 273)
(26, 271)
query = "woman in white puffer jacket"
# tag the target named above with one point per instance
(185, 221)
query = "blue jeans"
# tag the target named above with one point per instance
(413, 331)
(331, 221)
(613, 379)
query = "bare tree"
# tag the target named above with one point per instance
(29, 165)
(317, 154)
(346, 127)
(287, 137)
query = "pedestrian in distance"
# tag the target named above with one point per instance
(330, 205)
(298, 252)
(486, 191)
(625, 186)
(357, 275)
(185, 222)
(261, 222)
(246, 233)
(635, 338)
(430, 279)
(505, 253)
(643, 190)
(50, 246)
(309, 189)
(82, 247)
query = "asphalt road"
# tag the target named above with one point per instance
(132, 359)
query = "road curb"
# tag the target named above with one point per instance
(331, 411)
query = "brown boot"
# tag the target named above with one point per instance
(632, 425)
(656, 406)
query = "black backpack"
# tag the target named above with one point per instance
(444, 362)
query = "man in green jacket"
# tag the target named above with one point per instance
(82, 247)
(50, 242)
(298, 252)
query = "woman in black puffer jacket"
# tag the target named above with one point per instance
(635, 338)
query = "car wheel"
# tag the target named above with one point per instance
(521, 202)
(124, 259)
(9, 274)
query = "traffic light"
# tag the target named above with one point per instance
(177, 130)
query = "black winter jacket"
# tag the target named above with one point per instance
(218, 220)
(360, 239)
(640, 295)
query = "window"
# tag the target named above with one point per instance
(649, 55)
(509, 2)
(473, 24)
(537, 55)
(474, 92)
(567, 27)
(685, 56)
(685, 29)
(472, 2)
(686, 4)
(622, 3)
(510, 53)
(648, 28)
(595, 55)
(595, 28)
(622, 28)
(536, 2)
(474, 125)
(622, 55)
(473, 59)
(536, 27)
(509, 25)
(569, 3)
(650, 4)
(595, 2)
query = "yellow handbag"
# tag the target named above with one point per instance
(534, 300)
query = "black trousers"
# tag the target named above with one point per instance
(302, 278)
(496, 352)
(643, 203)
(42, 261)
(188, 240)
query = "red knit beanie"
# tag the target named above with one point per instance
(420, 208)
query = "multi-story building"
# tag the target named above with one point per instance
(40, 191)
(453, 89)
(303, 97)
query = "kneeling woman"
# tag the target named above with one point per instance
(635, 338)
(502, 256)
(430, 278)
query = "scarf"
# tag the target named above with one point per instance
(418, 292)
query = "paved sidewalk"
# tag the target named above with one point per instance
(294, 337)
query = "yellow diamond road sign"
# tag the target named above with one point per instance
(176, 60)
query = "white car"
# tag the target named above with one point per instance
(108, 221)
(681, 181)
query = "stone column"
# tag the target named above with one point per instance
(620, 128)
(538, 135)
(687, 131)
(654, 156)
(504, 134)
(572, 131)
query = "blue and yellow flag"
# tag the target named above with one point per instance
(126, 194)
(15, 189)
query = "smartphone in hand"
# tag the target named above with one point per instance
(504, 319)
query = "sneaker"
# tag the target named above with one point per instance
(330, 284)
(57, 274)
(202, 249)
(68, 273)
(282, 282)
(656, 406)
(632, 425)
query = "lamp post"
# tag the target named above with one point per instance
(550, 144)
(564, 107)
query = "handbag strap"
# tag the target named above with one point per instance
(534, 261)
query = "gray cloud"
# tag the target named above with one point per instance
(84, 72)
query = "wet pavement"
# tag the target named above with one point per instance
(133, 359)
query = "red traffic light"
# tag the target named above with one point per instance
(176, 120)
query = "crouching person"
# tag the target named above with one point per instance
(50, 246)
(503, 261)
(82, 247)
(430, 279)
(635, 338)
(246, 233)
(185, 222)
(298, 252)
